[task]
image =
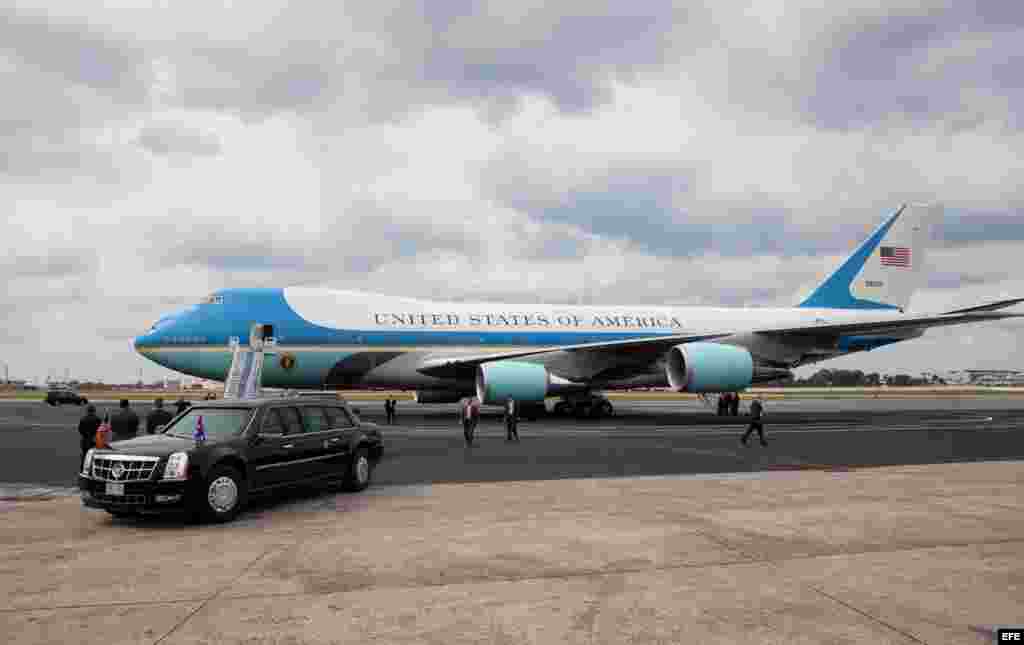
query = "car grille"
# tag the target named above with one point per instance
(123, 468)
(119, 499)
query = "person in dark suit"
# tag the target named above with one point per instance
(124, 424)
(158, 417)
(182, 405)
(511, 421)
(87, 428)
(756, 422)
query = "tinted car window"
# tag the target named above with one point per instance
(338, 418)
(291, 420)
(218, 423)
(272, 423)
(314, 419)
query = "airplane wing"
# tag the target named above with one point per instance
(639, 348)
(992, 306)
(465, 365)
(883, 326)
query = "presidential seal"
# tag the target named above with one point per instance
(287, 361)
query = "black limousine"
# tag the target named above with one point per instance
(212, 456)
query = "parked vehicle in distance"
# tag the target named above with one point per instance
(65, 395)
(210, 458)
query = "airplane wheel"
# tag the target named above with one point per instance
(468, 433)
(561, 409)
(606, 408)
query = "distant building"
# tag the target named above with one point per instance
(987, 377)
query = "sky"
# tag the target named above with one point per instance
(643, 152)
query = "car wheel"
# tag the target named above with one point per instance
(224, 494)
(360, 470)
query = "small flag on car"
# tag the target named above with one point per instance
(200, 432)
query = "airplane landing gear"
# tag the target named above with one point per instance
(593, 407)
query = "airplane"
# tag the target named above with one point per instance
(329, 339)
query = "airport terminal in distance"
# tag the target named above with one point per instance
(623, 517)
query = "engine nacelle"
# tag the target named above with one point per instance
(502, 380)
(436, 396)
(709, 367)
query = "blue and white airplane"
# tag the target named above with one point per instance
(527, 352)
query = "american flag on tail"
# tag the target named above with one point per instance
(895, 256)
(200, 432)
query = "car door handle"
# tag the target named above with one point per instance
(288, 445)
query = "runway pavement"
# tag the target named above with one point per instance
(40, 442)
(914, 554)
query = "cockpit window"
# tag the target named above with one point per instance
(212, 299)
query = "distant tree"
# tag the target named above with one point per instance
(900, 380)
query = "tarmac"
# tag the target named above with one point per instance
(570, 536)
(40, 442)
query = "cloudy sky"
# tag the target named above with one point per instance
(642, 152)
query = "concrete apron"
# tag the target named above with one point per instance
(930, 554)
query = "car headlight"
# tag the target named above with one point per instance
(87, 464)
(177, 466)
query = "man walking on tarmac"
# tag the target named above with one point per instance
(470, 412)
(87, 428)
(511, 421)
(756, 422)
(158, 417)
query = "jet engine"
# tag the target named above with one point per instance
(711, 367)
(436, 396)
(502, 380)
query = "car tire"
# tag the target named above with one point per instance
(359, 471)
(224, 494)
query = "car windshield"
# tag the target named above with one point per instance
(218, 423)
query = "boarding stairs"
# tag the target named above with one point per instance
(245, 375)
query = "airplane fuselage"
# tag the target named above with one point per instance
(352, 340)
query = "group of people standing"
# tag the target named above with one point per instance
(124, 424)
(469, 414)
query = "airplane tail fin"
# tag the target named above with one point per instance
(885, 269)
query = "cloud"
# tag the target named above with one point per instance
(15, 266)
(170, 139)
(532, 151)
